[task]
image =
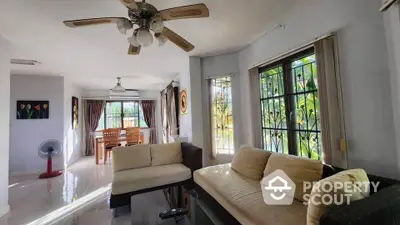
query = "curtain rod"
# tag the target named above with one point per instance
(292, 51)
(218, 76)
(170, 84)
(387, 5)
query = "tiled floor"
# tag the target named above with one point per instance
(145, 210)
(31, 199)
(78, 197)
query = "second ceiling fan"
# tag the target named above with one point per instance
(145, 18)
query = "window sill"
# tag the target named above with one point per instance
(142, 128)
(225, 154)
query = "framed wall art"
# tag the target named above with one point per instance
(183, 101)
(29, 110)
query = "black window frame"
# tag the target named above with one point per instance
(122, 113)
(289, 100)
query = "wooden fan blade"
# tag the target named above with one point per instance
(93, 21)
(178, 40)
(130, 4)
(133, 50)
(185, 12)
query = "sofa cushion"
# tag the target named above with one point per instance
(163, 154)
(354, 183)
(298, 169)
(250, 162)
(132, 157)
(242, 198)
(138, 179)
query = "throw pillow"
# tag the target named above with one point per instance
(250, 162)
(339, 189)
(298, 169)
(163, 154)
(132, 157)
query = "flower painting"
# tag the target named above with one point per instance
(27, 110)
(75, 112)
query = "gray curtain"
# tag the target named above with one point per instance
(331, 107)
(171, 114)
(255, 107)
(164, 119)
(93, 110)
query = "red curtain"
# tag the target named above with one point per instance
(93, 111)
(149, 112)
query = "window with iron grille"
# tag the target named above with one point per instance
(122, 114)
(221, 115)
(290, 106)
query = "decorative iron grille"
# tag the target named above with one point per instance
(122, 114)
(221, 115)
(290, 106)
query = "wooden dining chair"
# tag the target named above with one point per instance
(133, 136)
(111, 139)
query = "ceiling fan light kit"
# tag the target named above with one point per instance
(144, 37)
(133, 40)
(118, 88)
(161, 39)
(124, 25)
(147, 19)
(157, 24)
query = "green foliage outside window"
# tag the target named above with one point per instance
(122, 114)
(303, 115)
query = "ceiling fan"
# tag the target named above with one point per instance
(145, 18)
(118, 87)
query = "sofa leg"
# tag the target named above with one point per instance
(115, 213)
(122, 210)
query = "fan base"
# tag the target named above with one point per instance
(50, 174)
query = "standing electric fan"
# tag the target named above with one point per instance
(48, 150)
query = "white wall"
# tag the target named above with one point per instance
(5, 53)
(185, 120)
(196, 101)
(73, 144)
(144, 95)
(392, 31)
(27, 135)
(363, 67)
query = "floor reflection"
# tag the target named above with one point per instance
(31, 198)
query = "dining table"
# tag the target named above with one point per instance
(100, 149)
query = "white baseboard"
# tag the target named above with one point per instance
(31, 173)
(4, 210)
(17, 174)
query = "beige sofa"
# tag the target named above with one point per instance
(236, 187)
(144, 168)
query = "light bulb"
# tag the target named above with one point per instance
(144, 37)
(157, 24)
(133, 41)
(123, 26)
(122, 29)
(161, 40)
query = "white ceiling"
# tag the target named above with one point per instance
(93, 56)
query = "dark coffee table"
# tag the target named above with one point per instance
(146, 207)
